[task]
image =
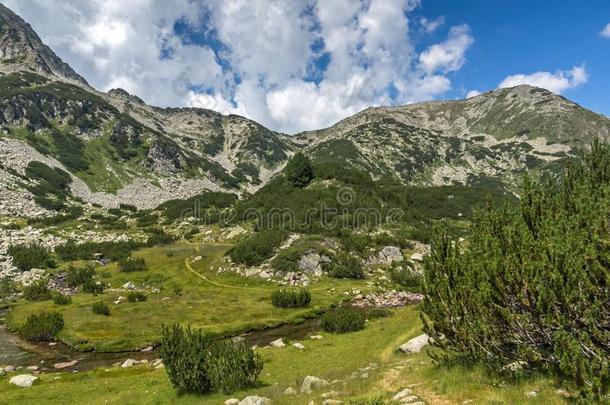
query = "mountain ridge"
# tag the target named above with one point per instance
(118, 149)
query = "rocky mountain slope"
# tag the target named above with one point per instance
(116, 149)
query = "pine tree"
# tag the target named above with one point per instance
(532, 288)
(299, 170)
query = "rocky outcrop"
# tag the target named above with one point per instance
(311, 262)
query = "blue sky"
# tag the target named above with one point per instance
(296, 65)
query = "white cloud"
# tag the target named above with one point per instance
(431, 25)
(606, 31)
(261, 70)
(472, 93)
(449, 55)
(557, 82)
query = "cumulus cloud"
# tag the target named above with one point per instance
(292, 65)
(431, 25)
(557, 82)
(449, 55)
(606, 31)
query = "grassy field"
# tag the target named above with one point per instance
(223, 304)
(336, 357)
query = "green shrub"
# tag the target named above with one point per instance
(344, 266)
(41, 327)
(37, 291)
(342, 320)
(78, 276)
(93, 287)
(61, 299)
(129, 264)
(100, 308)
(27, 257)
(197, 364)
(532, 284)
(257, 247)
(136, 296)
(291, 298)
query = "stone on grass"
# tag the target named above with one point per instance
(298, 346)
(277, 343)
(232, 401)
(331, 402)
(402, 394)
(254, 400)
(311, 383)
(23, 380)
(32, 368)
(61, 366)
(315, 337)
(290, 391)
(415, 345)
(9, 369)
(417, 257)
(147, 349)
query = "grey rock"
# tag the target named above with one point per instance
(290, 391)
(23, 380)
(67, 364)
(277, 343)
(415, 345)
(311, 383)
(255, 400)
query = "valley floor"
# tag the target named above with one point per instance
(363, 366)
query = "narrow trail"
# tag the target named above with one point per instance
(187, 263)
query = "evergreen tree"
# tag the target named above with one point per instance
(299, 170)
(532, 289)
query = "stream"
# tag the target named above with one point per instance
(17, 352)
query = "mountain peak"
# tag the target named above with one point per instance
(22, 49)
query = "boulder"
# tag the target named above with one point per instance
(147, 349)
(390, 254)
(402, 394)
(32, 368)
(311, 262)
(311, 383)
(232, 401)
(23, 380)
(9, 369)
(67, 364)
(129, 363)
(290, 391)
(277, 343)
(254, 400)
(417, 257)
(415, 345)
(298, 346)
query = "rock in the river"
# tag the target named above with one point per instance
(23, 380)
(254, 400)
(61, 366)
(129, 363)
(311, 383)
(277, 343)
(415, 345)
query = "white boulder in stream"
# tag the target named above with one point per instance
(23, 380)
